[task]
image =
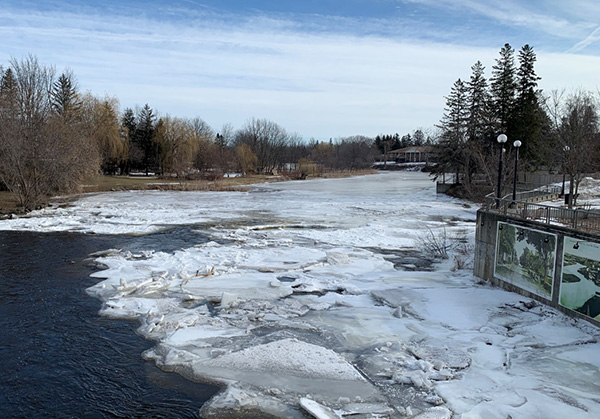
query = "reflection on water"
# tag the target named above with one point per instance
(59, 357)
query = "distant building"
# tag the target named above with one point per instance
(413, 154)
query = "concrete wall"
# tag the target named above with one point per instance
(485, 255)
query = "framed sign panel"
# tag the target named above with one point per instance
(525, 258)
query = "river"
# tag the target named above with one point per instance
(59, 357)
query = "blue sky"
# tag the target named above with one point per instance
(322, 69)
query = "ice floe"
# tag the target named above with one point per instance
(310, 298)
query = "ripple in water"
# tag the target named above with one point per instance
(59, 357)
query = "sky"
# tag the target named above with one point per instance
(321, 69)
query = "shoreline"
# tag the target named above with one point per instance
(10, 209)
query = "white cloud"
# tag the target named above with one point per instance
(568, 20)
(593, 38)
(317, 84)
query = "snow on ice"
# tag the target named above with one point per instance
(308, 298)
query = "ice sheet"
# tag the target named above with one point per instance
(300, 298)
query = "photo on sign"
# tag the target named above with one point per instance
(580, 280)
(525, 258)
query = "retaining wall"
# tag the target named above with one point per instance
(538, 271)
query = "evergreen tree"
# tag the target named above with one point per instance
(128, 121)
(128, 127)
(480, 128)
(530, 118)
(478, 99)
(8, 94)
(8, 83)
(448, 156)
(64, 97)
(144, 138)
(504, 88)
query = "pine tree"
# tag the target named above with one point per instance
(530, 118)
(448, 156)
(64, 97)
(8, 94)
(128, 128)
(144, 137)
(479, 102)
(504, 87)
(8, 83)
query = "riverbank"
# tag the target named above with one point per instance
(8, 204)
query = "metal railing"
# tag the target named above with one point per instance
(540, 192)
(577, 219)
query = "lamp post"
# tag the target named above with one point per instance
(501, 140)
(566, 150)
(516, 145)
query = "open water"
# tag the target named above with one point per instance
(59, 358)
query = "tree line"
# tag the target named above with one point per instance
(53, 136)
(558, 131)
(389, 142)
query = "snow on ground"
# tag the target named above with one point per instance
(309, 296)
(588, 194)
(589, 191)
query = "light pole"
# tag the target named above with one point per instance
(566, 150)
(516, 145)
(501, 140)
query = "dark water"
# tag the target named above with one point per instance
(58, 357)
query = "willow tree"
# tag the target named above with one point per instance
(103, 128)
(177, 144)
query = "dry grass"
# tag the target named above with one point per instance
(347, 173)
(123, 183)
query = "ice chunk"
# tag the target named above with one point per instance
(291, 356)
(299, 367)
(438, 412)
(228, 299)
(337, 258)
(317, 410)
(237, 403)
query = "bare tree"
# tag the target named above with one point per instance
(356, 152)
(226, 136)
(41, 153)
(578, 138)
(267, 141)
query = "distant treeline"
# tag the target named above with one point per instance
(52, 136)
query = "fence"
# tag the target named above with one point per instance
(577, 219)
